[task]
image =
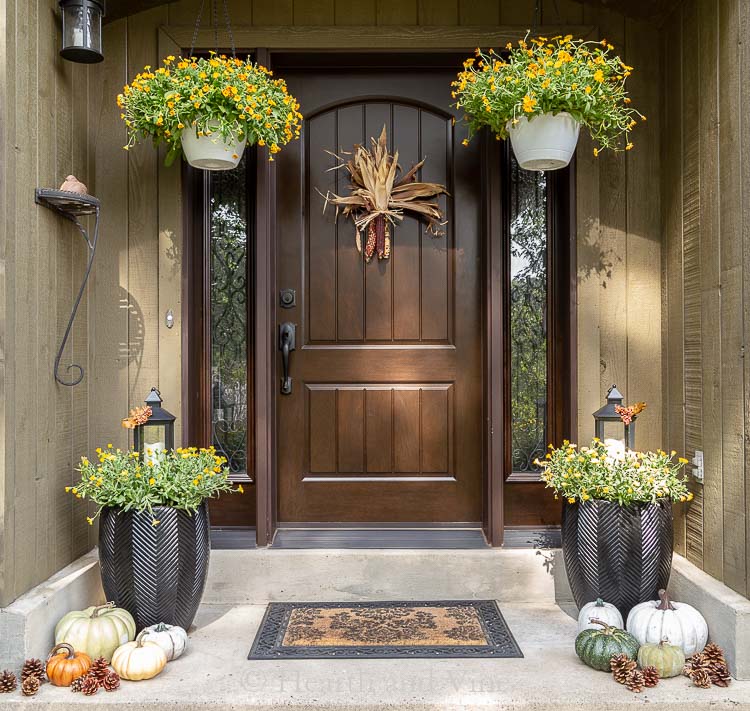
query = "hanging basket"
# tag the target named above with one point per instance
(546, 142)
(213, 151)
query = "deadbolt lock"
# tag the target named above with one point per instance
(287, 298)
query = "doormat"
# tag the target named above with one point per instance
(382, 630)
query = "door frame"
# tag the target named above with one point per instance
(263, 351)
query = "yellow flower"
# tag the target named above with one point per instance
(240, 489)
(599, 76)
(74, 490)
(528, 103)
(109, 446)
(571, 499)
(152, 481)
(155, 522)
(682, 460)
(67, 489)
(195, 482)
(90, 520)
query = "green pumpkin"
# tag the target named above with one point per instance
(596, 647)
(669, 659)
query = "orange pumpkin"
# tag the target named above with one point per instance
(65, 664)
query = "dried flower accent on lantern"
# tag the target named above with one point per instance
(629, 413)
(137, 416)
(380, 196)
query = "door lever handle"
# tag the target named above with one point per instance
(287, 333)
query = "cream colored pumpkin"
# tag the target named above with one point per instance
(139, 660)
(680, 623)
(96, 631)
(171, 638)
(599, 610)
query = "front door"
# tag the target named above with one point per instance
(384, 419)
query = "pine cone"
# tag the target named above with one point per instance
(30, 685)
(111, 682)
(99, 669)
(77, 683)
(621, 666)
(650, 676)
(696, 663)
(90, 685)
(33, 667)
(714, 653)
(635, 681)
(701, 678)
(719, 674)
(8, 682)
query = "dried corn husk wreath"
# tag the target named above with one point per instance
(380, 196)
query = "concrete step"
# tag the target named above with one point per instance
(215, 674)
(262, 575)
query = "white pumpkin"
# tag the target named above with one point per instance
(96, 631)
(676, 622)
(171, 638)
(598, 610)
(139, 660)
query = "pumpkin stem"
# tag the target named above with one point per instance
(599, 602)
(62, 646)
(161, 627)
(99, 608)
(666, 603)
(139, 638)
(607, 628)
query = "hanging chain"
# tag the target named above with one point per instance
(214, 26)
(197, 28)
(229, 28)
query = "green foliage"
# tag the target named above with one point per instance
(610, 474)
(549, 76)
(220, 94)
(181, 478)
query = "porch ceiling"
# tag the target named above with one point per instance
(642, 9)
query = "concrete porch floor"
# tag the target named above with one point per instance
(215, 672)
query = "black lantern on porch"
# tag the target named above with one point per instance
(157, 433)
(82, 30)
(610, 425)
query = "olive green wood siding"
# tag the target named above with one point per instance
(44, 427)
(706, 217)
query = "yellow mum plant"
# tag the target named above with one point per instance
(182, 478)
(232, 97)
(611, 474)
(540, 75)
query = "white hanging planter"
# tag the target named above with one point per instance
(212, 152)
(546, 142)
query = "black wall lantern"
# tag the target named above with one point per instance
(609, 424)
(82, 30)
(158, 432)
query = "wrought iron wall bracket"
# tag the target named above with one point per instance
(72, 206)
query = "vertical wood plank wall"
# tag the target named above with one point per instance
(706, 258)
(44, 426)
(120, 334)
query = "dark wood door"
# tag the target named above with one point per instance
(384, 421)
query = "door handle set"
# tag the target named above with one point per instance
(287, 338)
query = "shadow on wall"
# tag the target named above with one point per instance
(172, 249)
(593, 261)
(130, 350)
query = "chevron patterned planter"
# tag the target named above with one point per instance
(157, 573)
(622, 554)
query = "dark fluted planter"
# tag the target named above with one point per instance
(157, 573)
(621, 554)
